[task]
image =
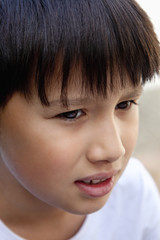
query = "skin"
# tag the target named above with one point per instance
(43, 152)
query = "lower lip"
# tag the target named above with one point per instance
(96, 190)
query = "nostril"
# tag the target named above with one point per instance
(118, 153)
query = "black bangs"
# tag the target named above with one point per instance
(100, 36)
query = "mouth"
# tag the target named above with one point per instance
(94, 181)
(97, 185)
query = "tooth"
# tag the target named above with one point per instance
(102, 180)
(95, 181)
(87, 181)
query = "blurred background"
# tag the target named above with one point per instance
(148, 145)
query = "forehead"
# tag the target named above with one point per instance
(78, 84)
(80, 88)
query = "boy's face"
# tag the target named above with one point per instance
(69, 158)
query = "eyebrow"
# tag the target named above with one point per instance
(135, 92)
(72, 102)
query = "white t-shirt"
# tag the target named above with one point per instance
(131, 213)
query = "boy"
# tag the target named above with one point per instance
(72, 73)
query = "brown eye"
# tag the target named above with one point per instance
(125, 105)
(71, 115)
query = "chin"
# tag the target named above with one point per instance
(89, 206)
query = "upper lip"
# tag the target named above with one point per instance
(100, 176)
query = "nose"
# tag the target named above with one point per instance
(105, 143)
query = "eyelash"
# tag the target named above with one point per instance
(76, 114)
(125, 105)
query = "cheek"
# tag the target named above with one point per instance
(41, 166)
(38, 158)
(131, 133)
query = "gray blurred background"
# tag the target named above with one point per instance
(148, 145)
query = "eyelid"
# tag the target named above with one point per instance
(77, 115)
(127, 107)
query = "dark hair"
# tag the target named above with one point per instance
(102, 36)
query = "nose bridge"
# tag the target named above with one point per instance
(106, 144)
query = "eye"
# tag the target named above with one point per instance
(125, 105)
(71, 115)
